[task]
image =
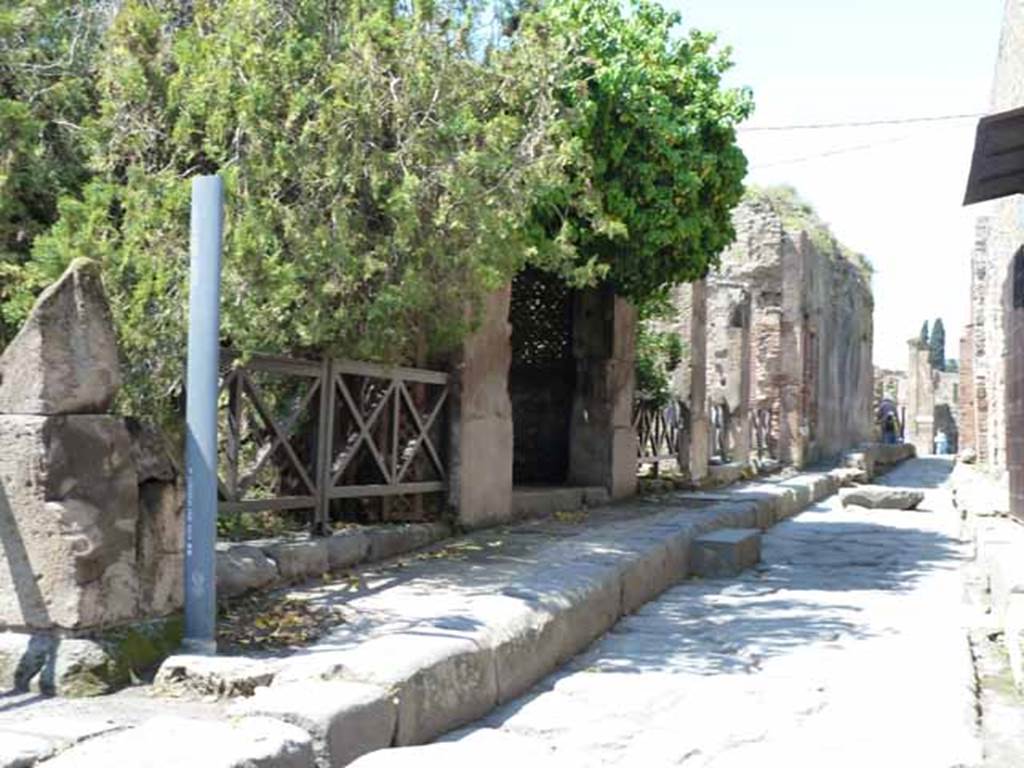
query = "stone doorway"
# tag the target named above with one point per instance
(542, 378)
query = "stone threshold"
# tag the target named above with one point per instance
(442, 641)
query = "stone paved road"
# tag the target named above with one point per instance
(846, 647)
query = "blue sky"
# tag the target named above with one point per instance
(892, 192)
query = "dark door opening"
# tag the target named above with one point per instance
(542, 381)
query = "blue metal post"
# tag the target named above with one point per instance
(201, 415)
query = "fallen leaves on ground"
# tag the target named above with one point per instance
(269, 622)
(576, 517)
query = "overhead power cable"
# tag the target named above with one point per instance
(829, 153)
(861, 124)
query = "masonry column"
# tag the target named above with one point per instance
(602, 441)
(793, 428)
(740, 422)
(968, 405)
(699, 423)
(482, 420)
(920, 398)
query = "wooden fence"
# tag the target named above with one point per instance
(660, 429)
(662, 432)
(297, 434)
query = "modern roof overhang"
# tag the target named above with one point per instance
(997, 169)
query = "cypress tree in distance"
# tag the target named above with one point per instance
(924, 333)
(938, 346)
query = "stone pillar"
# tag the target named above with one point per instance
(482, 420)
(602, 440)
(700, 439)
(967, 405)
(740, 424)
(792, 427)
(69, 504)
(920, 399)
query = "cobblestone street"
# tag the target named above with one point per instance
(845, 647)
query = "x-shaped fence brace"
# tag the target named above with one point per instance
(330, 393)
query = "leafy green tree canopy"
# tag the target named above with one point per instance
(386, 165)
(378, 172)
(656, 170)
(47, 70)
(924, 333)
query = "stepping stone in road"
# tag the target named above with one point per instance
(883, 497)
(725, 552)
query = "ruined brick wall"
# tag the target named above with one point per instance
(811, 334)
(980, 329)
(840, 307)
(1004, 311)
(968, 404)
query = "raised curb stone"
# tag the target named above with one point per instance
(726, 552)
(345, 719)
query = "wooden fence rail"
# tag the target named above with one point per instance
(297, 434)
(660, 431)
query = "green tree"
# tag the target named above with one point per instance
(379, 168)
(47, 89)
(386, 165)
(937, 344)
(924, 333)
(654, 167)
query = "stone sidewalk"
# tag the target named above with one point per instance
(428, 643)
(845, 647)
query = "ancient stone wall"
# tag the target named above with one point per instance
(91, 531)
(1007, 244)
(482, 421)
(598, 431)
(997, 337)
(968, 403)
(811, 331)
(981, 327)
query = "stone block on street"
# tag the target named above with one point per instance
(79, 668)
(393, 540)
(883, 497)
(345, 719)
(69, 508)
(725, 552)
(64, 358)
(347, 548)
(299, 561)
(223, 676)
(441, 680)
(242, 568)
